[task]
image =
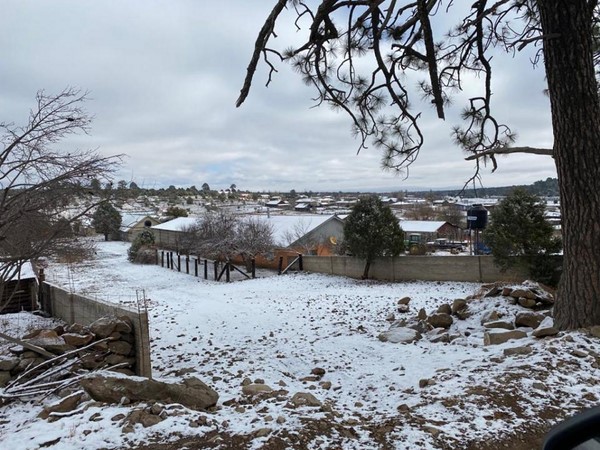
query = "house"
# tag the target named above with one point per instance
(277, 203)
(307, 233)
(432, 229)
(169, 234)
(133, 224)
(19, 293)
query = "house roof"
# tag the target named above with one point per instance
(177, 224)
(421, 226)
(26, 272)
(293, 226)
(130, 220)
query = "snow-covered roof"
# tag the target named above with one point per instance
(294, 226)
(130, 219)
(25, 273)
(177, 224)
(421, 226)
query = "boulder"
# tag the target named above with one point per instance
(546, 328)
(445, 309)
(8, 364)
(255, 389)
(50, 340)
(526, 302)
(440, 320)
(523, 293)
(403, 308)
(524, 350)
(505, 324)
(191, 392)
(120, 347)
(422, 315)
(399, 335)
(5, 377)
(304, 399)
(77, 340)
(529, 319)
(103, 327)
(64, 405)
(495, 337)
(404, 301)
(458, 305)
(490, 316)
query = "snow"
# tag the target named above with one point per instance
(177, 224)
(278, 328)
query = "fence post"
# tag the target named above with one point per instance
(253, 268)
(216, 270)
(300, 264)
(187, 264)
(206, 269)
(162, 258)
(178, 262)
(168, 260)
(196, 267)
(227, 272)
(280, 268)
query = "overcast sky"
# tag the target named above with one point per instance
(164, 76)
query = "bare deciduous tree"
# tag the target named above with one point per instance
(221, 235)
(356, 54)
(37, 182)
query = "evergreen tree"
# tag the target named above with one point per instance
(106, 220)
(143, 241)
(518, 228)
(371, 230)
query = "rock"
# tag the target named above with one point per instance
(77, 340)
(421, 326)
(103, 327)
(191, 392)
(506, 291)
(142, 417)
(529, 319)
(444, 337)
(440, 320)
(51, 341)
(424, 382)
(500, 324)
(325, 385)
(594, 331)
(5, 377)
(434, 431)
(75, 328)
(526, 302)
(422, 315)
(124, 325)
(390, 317)
(66, 404)
(524, 350)
(404, 301)
(579, 353)
(490, 316)
(458, 305)
(8, 364)
(114, 358)
(463, 314)
(27, 363)
(523, 293)
(403, 408)
(120, 347)
(246, 381)
(546, 328)
(318, 371)
(403, 308)
(444, 309)
(495, 337)
(255, 389)
(304, 399)
(262, 432)
(399, 335)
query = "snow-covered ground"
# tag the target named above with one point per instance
(277, 329)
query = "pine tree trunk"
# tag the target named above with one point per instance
(575, 107)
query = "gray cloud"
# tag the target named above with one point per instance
(163, 78)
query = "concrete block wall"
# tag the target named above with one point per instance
(426, 268)
(74, 308)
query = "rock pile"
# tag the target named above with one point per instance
(108, 343)
(529, 315)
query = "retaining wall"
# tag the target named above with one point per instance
(74, 308)
(426, 268)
